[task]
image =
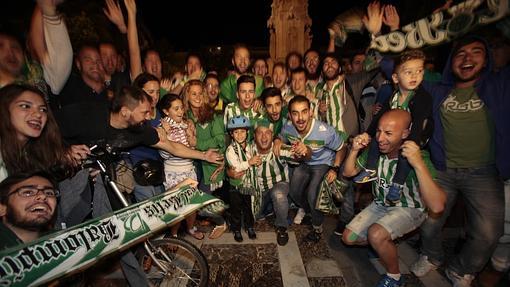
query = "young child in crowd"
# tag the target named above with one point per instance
(178, 169)
(410, 96)
(240, 156)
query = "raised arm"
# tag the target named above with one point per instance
(50, 41)
(433, 196)
(135, 58)
(359, 142)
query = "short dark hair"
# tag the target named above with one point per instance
(269, 93)
(299, 99)
(466, 40)
(291, 54)
(311, 50)
(143, 79)
(129, 97)
(211, 76)
(297, 71)
(245, 79)
(193, 55)
(408, 55)
(14, 179)
(239, 46)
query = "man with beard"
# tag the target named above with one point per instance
(276, 111)
(340, 96)
(314, 80)
(469, 148)
(27, 207)
(323, 147)
(241, 63)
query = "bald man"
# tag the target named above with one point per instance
(379, 224)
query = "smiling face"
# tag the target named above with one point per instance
(312, 62)
(298, 83)
(175, 111)
(273, 107)
(241, 60)
(152, 64)
(246, 95)
(301, 117)
(468, 62)
(330, 68)
(260, 68)
(279, 77)
(195, 96)
(263, 138)
(31, 213)
(28, 114)
(193, 65)
(152, 89)
(390, 134)
(239, 135)
(409, 75)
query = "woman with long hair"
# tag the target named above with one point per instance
(210, 133)
(29, 135)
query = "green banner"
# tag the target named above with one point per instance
(76, 248)
(443, 26)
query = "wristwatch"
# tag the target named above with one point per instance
(335, 168)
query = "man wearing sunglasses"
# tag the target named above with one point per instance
(27, 207)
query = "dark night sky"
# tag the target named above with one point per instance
(191, 24)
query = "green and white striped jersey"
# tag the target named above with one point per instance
(410, 195)
(336, 101)
(233, 109)
(273, 169)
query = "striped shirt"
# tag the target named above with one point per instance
(336, 102)
(177, 133)
(394, 103)
(386, 167)
(273, 169)
(233, 109)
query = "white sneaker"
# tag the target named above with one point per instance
(299, 216)
(459, 281)
(422, 266)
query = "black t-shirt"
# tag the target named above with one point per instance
(89, 123)
(77, 91)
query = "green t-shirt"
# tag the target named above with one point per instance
(228, 88)
(210, 135)
(468, 130)
(386, 168)
(8, 238)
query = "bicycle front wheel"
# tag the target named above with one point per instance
(177, 263)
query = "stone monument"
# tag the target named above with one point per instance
(289, 28)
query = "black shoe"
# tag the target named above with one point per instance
(340, 227)
(251, 233)
(314, 236)
(238, 236)
(282, 237)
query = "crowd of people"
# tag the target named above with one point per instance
(265, 139)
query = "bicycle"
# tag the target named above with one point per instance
(168, 261)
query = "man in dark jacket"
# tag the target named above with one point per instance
(469, 148)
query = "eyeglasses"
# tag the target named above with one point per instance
(32, 190)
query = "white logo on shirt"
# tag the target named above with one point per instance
(452, 105)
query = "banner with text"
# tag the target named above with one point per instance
(443, 25)
(76, 248)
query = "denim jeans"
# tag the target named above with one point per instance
(277, 196)
(304, 188)
(501, 257)
(482, 192)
